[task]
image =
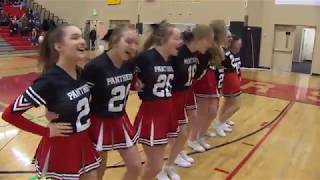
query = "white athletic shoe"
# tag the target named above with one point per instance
(227, 128)
(182, 162)
(203, 143)
(220, 130)
(172, 173)
(186, 157)
(195, 146)
(162, 175)
(211, 134)
(231, 123)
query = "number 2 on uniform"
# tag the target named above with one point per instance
(120, 93)
(84, 109)
(220, 80)
(163, 86)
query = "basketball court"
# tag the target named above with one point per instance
(275, 136)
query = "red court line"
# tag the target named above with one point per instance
(247, 144)
(221, 170)
(256, 147)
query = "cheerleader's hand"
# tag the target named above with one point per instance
(60, 129)
(51, 115)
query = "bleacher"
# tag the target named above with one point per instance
(16, 42)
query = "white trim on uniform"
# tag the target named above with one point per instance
(207, 95)
(21, 104)
(99, 146)
(152, 134)
(61, 176)
(183, 121)
(154, 142)
(172, 135)
(192, 107)
(232, 95)
(117, 146)
(90, 84)
(36, 95)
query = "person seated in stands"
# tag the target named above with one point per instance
(26, 27)
(4, 21)
(36, 22)
(16, 3)
(22, 4)
(19, 30)
(24, 23)
(13, 27)
(11, 2)
(29, 13)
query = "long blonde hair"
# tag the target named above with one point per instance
(219, 29)
(160, 34)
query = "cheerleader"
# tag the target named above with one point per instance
(184, 66)
(65, 150)
(155, 121)
(110, 75)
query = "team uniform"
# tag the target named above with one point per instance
(58, 157)
(155, 121)
(232, 75)
(110, 86)
(184, 66)
(209, 78)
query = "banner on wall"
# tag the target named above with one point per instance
(113, 2)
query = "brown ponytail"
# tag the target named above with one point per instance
(114, 35)
(160, 34)
(48, 55)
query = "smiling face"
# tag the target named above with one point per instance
(127, 44)
(72, 45)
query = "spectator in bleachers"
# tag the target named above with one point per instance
(37, 22)
(34, 37)
(16, 3)
(26, 27)
(19, 26)
(45, 25)
(29, 13)
(13, 27)
(22, 4)
(4, 20)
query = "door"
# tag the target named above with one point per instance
(251, 47)
(308, 43)
(284, 38)
(89, 24)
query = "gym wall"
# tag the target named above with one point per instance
(262, 13)
(267, 14)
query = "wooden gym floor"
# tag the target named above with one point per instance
(276, 135)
